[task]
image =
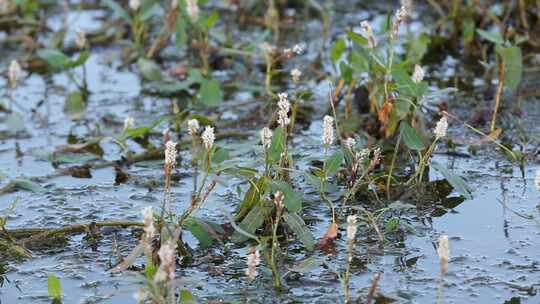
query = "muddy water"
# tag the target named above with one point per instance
(495, 251)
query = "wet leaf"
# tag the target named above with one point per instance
(307, 265)
(411, 137)
(75, 105)
(149, 70)
(253, 220)
(186, 296)
(327, 239)
(392, 225)
(494, 37)
(22, 184)
(300, 229)
(54, 58)
(210, 93)
(457, 182)
(118, 10)
(15, 122)
(252, 196)
(204, 231)
(54, 287)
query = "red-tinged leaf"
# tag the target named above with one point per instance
(327, 241)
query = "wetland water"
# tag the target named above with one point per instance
(495, 247)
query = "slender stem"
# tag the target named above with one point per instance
(500, 87)
(394, 156)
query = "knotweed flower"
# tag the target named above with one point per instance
(266, 137)
(148, 220)
(80, 38)
(443, 250)
(170, 155)
(537, 179)
(192, 10)
(284, 107)
(376, 157)
(208, 137)
(295, 74)
(407, 6)
(401, 14)
(253, 260)
(441, 128)
(193, 126)
(167, 256)
(328, 130)
(278, 200)
(134, 4)
(418, 74)
(350, 143)
(14, 73)
(129, 123)
(298, 49)
(351, 227)
(368, 33)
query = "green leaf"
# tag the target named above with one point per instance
(346, 72)
(411, 137)
(23, 184)
(418, 48)
(253, 220)
(186, 296)
(513, 66)
(457, 182)
(252, 196)
(54, 58)
(180, 30)
(468, 30)
(118, 10)
(277, 145)
(293, 199)
(337, 50)
(359, 62)
(357, 38)
(83, 56)
(148, 11)
(210, 20)
(204, 231)
(150, 71)
(220, 155)
(392, 225)
(333, 163)
(15, 123)
(54, 287)
(404, 82)
(494, 37)
(210, 93)
(74, 106)
(307, 265)
(300, 229)
(150, 269)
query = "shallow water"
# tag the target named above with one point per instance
(495, 252)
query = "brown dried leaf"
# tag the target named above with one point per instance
(326, 242)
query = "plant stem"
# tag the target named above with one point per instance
(500, 87)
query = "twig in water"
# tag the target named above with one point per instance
(374, 282)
